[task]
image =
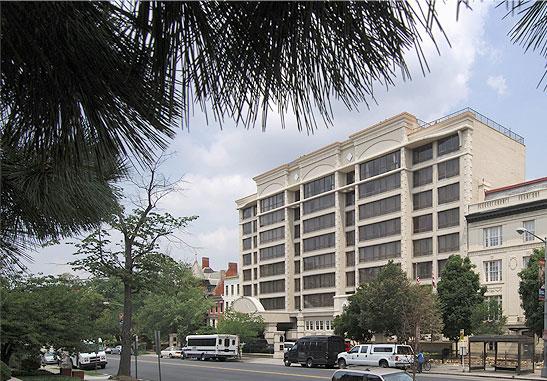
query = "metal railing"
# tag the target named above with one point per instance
(480, 117)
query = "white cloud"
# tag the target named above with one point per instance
(498, 84)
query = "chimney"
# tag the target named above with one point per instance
(232, 269)
(204, 262)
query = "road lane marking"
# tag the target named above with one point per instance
(242, 370)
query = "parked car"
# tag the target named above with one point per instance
(315, 350)
(116, 350)
(108, 350)
(171, 352)
(384, 355)
(258, 346)
(370, 375)
(49, 358)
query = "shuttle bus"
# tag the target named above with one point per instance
(218, 347)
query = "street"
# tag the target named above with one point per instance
(191, 370)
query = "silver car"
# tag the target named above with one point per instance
(379, 374)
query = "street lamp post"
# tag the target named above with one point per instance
(544, 240)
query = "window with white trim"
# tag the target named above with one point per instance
(529, 225)
(492, 271)
(492, 236)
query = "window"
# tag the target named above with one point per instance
(272, 286)
(369, 274)
(247, 228)
(319, 203)
(328, 325)
(423, 270)
(495, 306)
(529, 225)
(319, 262)
(297, 284)
(380, 165)
(247, 275)
(296, 195)
(317, 223)
(449, 168)
(350, 258)
(422, 223)
(449, 242)
(246, 259)
(422, 153)
(227, 293)
(381, 185)
(350, 198)
(525, 261)
(492, 236)
(380, 207)
(297, 302)
(350, 177)
(272, 269)
(296, 231)
(272, 252)
(319, 281)
(319, 300)
(272, 218)
(248, 212)
(296, 213)
(255, 288)
(273, 303)
(447, 218)
(380, 229)
(232, 289)
(272, 235)
(319, 242)
(350, 279)
(318, 186)
(447, 145)
(492, 271)
(350, 218)
(422, 176)
(297, 267)
(297, 249)
(422, 247)
(350, 238)
(379, 252)
(448, 193)
(441, 263)
(247, 290)
(255, 259)
(422, 200)
(272, 202)
(247, 243)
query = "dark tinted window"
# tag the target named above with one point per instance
(422, 223)
(447, 145)
(422, 176)
(319, 203)
(382, 350)
(381, 185)
(380, 165)
(422, 153)
(449, 193)
(272, 202)
(422, 200)
(318, 223)
(380, 229)
(272, 218)
(449, 168)
(273, 303)
(449, 242)
(380, 207)
(381, 251)
(318, 186)
(319, 262)
(272, 252)
(422, 247)
(319, 242)
(447, 218)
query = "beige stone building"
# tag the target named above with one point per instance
(496, 248)
(322, 224)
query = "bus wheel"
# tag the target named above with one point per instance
(287, 362)
(309, 363)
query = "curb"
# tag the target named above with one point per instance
(491, 376)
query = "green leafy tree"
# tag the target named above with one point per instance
(206, 329)
(47, 311)
(246, 326)
(459, 293)
(389, 305)
(531, 282)
(488, 318)
(135, 259)
(176, 303)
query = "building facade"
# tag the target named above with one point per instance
(497, 250)
(319, 226)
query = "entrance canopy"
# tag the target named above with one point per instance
(502, 352)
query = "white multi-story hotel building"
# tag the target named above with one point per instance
(322, 224)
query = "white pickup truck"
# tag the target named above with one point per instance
(90, 356)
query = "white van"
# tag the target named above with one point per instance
(218, 347)
(384, 355)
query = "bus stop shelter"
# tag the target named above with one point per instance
(502, 352)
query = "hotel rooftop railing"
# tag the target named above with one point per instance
(483, 119)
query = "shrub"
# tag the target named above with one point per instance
(30, 363)
(5, 372)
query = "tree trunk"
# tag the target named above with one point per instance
(125, 357)
(7, 351)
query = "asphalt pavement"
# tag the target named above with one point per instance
(194, 370)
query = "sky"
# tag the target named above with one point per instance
(482, 69)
